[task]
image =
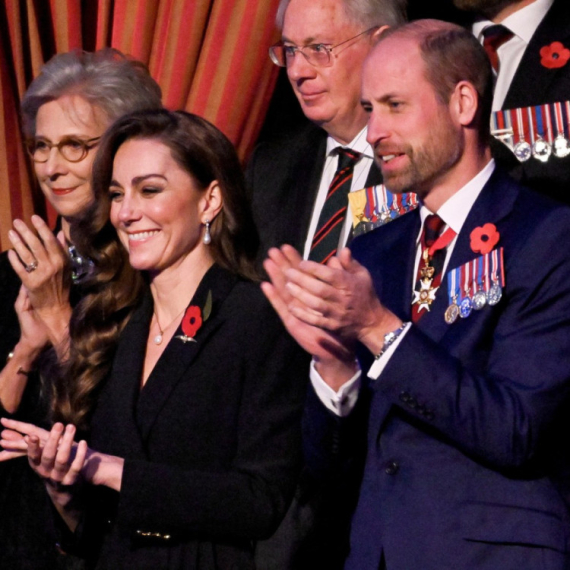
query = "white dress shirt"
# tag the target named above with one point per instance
(523, 23)
(361, 170)
(454, 212)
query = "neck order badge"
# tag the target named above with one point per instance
(433, 257)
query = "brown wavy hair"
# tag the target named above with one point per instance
(116, 288)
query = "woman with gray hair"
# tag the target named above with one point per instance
(65, 112)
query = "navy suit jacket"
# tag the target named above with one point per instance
(467, 429)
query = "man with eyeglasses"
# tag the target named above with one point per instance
(323, 46)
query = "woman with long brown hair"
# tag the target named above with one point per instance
(194, 425)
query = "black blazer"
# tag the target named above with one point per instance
(283, 178)
(211, 442)
(27, 536)
(535, 84)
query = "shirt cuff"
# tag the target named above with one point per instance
(380, 363)
(342, 402)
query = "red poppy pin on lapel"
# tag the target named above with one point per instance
(484, 238)
(554, 56)
(193, 320)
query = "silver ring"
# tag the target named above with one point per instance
(30, 267)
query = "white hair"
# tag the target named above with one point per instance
(107, 79)
(364, 13)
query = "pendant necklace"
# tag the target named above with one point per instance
(158, 338)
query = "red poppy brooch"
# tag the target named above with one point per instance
(193, 319)
(484, 239)
(554, 56)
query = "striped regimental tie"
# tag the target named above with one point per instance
(327, 235)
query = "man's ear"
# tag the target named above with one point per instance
(378, 33)
(464, 103)
(212, 202)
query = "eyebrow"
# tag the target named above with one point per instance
(69, 136)
(307, 42)
(138, 179)
(382, 99)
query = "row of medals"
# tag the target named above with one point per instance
(474, 303)
(381, 218)
(541, 149)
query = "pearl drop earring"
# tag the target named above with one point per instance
(207, 237)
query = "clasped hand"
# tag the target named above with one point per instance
(53, 454)
(338, 297)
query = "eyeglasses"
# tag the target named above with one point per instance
(318, 55)
(72, 149)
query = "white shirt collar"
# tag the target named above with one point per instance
(523, 23)
(454, 212)
(358, 144)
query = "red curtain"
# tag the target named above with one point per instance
(209, 57)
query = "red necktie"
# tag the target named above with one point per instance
(430, 268)
(494, 37)
(331, 219)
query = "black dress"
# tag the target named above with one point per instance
(27, 534)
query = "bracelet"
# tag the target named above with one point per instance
(389, 339)
(20, 369)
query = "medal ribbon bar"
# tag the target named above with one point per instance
(529, 131)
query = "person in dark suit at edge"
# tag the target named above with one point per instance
(323, 46)
(465, 384)
(533, 69)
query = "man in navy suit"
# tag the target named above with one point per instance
(440, 342)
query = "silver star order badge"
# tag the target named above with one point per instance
(425, 296)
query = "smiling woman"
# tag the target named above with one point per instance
(158, 209)
(65, 175)
(190, 388)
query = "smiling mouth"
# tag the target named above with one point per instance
(62, 191)
(386, 158)
(141, 236)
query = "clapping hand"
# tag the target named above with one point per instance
(42, 263)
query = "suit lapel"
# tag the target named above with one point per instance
(492, 205)
(374, 176)
(402, 273)
(122, 387)
(304, 180)
(523, 91)
(179, 355)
